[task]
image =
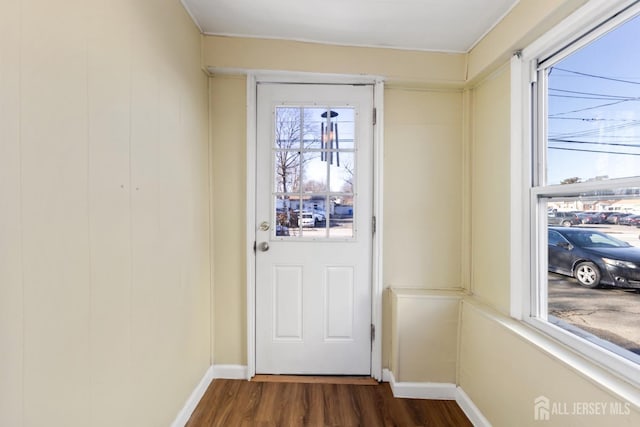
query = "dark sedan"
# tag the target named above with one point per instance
(593, 258)
(630, 220)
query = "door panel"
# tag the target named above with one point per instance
(313, 231)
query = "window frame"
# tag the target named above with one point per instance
(528, 227)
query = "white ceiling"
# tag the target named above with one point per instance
(433, 25)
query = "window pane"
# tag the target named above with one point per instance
(285, 220)
(342, 172)
(593, 122)
(287, 171)
(341, 217)
(344, 128)
(297, 217)
(314, 172)
(313, 127)
(593, 254)
(288, 127)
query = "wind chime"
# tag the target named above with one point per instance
(329, 138)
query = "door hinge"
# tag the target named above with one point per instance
(373, 332)
(254, 246)
(375, 116)
(373, 225)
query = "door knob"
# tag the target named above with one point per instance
(264, 246)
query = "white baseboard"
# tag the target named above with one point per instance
(471, 410)
(436, 391)
(188, 408)
(234, 372)
(231, 372)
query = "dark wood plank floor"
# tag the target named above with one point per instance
(231, 403)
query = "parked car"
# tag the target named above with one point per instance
(306, 219)
(614, 218)
(589, 217)
(630, 220)
(318, 215)
(593, 258)
(566, 219)
(598, 216)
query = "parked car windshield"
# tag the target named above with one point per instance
(593, 239)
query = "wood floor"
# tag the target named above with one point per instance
(231, 403)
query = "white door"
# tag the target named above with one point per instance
(314, 229)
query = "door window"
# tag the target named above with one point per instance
(314, 172)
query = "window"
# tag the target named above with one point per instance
(314, 177)
(584, 183)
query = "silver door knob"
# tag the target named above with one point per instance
(264, 246)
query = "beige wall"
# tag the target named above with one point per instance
(490, 187)
(503, 373)
(422, 188)
(229, 176)
(396, 66)
(424, 335)
(104, 220)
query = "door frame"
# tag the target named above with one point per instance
(378, 150)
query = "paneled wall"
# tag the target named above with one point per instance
(423, 196)
(424, 335)
(104, 216)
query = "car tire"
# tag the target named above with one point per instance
(587, 274)
(566, 223)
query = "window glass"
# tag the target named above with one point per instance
(588, 191)
(314, 172)
(593, 278)
(593, 120)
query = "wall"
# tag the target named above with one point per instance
(229, 176)
(424, 335)
(396, 66)
(503, 365)
(490, 187)
(503, 370)
(423, 150)
(422, 188)
(104, 220)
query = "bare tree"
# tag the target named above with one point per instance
(347, 187)
(291, 126)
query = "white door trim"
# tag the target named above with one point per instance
(377, 284)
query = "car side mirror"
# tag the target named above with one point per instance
(565, 245)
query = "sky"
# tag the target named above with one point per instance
(316, 169)
(594, 109)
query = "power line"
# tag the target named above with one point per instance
(595, 106)
(606, 96)
(592, 151)
(595, 119)
(574, 141)
(581, 97)
(595, 76)
(597, 131)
